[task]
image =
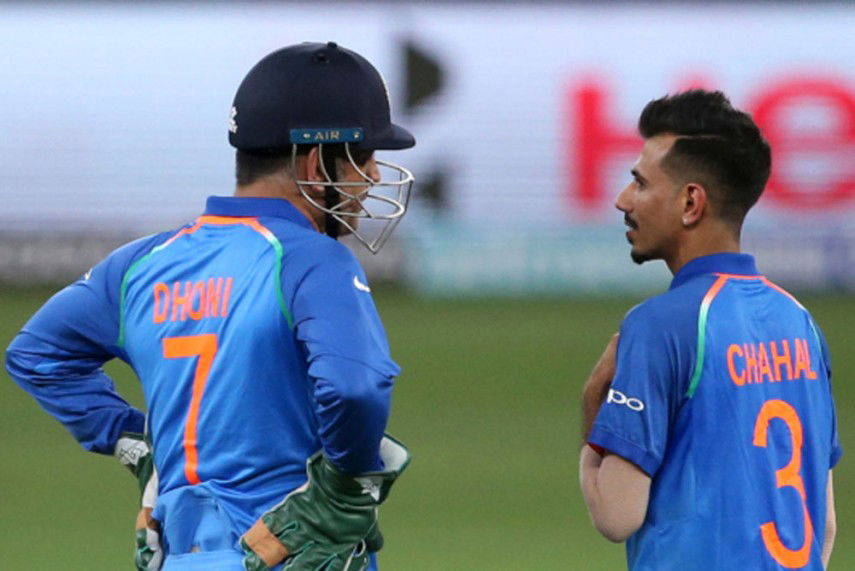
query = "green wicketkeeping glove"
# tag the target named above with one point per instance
(329, 523)
(134, 451)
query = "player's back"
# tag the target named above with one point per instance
(207, 330)
(751, 444)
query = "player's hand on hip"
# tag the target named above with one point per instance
(148, 555)
(134, 452)
(328, 523)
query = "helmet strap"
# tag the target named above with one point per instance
(331, 197)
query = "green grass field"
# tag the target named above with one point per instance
(488, 403)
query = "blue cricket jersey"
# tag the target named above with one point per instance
(722, 395)
(257, 343)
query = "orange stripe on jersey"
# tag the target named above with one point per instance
(740, 276)
(230, 220)
(182, 232)
(222, 220)
(253, 223)
(778, 288)
(217, 221)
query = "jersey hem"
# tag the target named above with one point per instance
(625, 449)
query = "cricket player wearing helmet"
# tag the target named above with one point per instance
(254, 335)
(709, 419)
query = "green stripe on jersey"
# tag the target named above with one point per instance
(702, 334)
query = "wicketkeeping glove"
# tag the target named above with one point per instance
(330, 522)
(134, 451)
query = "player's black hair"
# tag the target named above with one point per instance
(717, 146)
(253, 165)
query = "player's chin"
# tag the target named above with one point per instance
(348, 229)
(639, 256)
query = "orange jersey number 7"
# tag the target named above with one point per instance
(205, 348)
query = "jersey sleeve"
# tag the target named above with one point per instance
(633, 421)
(347, 353)
(836, 450)
(57, 356)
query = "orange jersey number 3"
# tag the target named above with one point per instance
(786, 476)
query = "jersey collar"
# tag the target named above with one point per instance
(725, 263)
(254, 206)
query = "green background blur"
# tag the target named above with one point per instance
(487, 402)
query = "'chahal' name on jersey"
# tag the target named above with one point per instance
(770, 362)
(191, 300)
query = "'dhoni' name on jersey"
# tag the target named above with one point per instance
(257, 344)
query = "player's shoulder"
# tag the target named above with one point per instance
(784, 298)
(307, 246)
(123, 257)
(106, 277)
(676, 309)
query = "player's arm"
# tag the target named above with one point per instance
(597, 386)
(830, 515)
(830, 522)
(57, 358)
(615, 490)
(333, 517)
(628, 403)
(336, 322)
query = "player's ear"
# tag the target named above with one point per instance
(312, 170)
(694, 203)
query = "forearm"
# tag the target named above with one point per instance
(616, 493)
(830, 523)
(74, 391)
(353, 404)
(589, 469)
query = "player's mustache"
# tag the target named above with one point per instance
(630, 222)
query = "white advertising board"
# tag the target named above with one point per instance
(115, 117)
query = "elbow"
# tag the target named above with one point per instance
(350, 389)
(25, 364)
(8, 361)
(617, 494)
(353, 416)
(362, 396)
(15, 361)
(616, 531)
(614, 522)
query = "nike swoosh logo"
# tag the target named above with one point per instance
(359, 285)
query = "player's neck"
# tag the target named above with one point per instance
(274, 187)
(703, 242)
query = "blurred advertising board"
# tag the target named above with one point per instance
(532, 135)
(525, 118)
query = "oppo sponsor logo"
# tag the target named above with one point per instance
(618, 397)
